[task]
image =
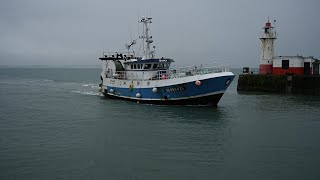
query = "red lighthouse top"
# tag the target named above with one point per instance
(268, 25)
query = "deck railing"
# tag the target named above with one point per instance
(168, 74)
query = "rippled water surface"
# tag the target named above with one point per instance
(55, 126)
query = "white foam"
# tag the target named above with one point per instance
(93, 86)
(92, 93)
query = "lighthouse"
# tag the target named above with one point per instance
(267, 49)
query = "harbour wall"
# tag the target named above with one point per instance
(309, 84)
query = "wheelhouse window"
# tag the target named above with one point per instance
(136, 66)
(285, 64)
(155, 66)
(147, 66)
(162, 66)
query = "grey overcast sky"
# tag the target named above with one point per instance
(76, 32)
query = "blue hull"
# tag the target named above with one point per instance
(211, 100)
(208, 93)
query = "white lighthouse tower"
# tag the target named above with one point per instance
(267, 49)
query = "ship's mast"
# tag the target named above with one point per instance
(146, 38)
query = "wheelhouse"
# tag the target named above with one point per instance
(148, 64)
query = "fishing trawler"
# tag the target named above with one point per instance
(150, 79)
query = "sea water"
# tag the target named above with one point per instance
(53, 125)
